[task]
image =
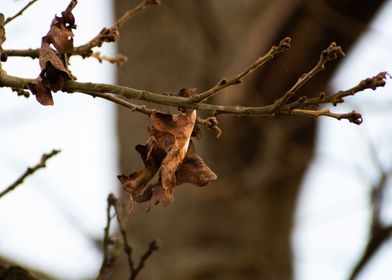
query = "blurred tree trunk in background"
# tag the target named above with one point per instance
(238, 227)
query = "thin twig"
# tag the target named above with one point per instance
(127, 247)
(111, 34)
(373, 83)
(331, 53)
(118, 59)
(283, 46)
(352, 117)
(151, 249)
(9, 19)
(211, 123)
(120, 101)
(134, 11)
(378, 231)
(108, 259)
(30, 171)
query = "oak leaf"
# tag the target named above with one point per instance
(170, 151)
(53, 63)
(53, 74)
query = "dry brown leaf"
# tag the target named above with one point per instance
(41, 92)
(60, 33)
(170, 151)
(194, 170)
(54, 70)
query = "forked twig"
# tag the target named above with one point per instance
(329, 54)
(378, 231)
(110, 34)
(30, 171)
(108, 259)
(9, 19)
(283, 46)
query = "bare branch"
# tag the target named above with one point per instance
(32, 53)
(211, 123)
(127, 247)
(120, 101)
(331, 53)
(118, 59)
(30, 171)
(369, 83)
(378, 231)
(352, 117)
(108, 259)
(9, 19)
(134, 11)
(283, 46)
(151, 249)
(98, 89)
(110, 34)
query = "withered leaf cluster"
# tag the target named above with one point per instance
(169, 150)
(53, 62)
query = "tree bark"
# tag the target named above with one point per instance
(240, 226)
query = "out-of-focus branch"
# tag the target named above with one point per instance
(118, 59)
(123, 232)
(15, 273)
(151, 249)
(134, 11)
(9, 19)
(108, 258)
(378, 231)
(30, 171)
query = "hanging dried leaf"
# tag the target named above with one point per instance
(54, 70)
(194, 170)
(170, 151)
(60, 33)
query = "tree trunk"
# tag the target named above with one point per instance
(240, 226)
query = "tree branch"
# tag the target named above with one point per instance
(110, 34)
(123, 232)
(9, 19)
(329, 54)
(378, 231)
(151, 249)
(283, 46)
(134, 11)
(302, 103)
(108, 259)
(30, 171)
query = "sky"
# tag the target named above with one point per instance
(58, 207)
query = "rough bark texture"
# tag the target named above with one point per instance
(238, 227)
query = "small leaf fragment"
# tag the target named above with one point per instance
(42, 93)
